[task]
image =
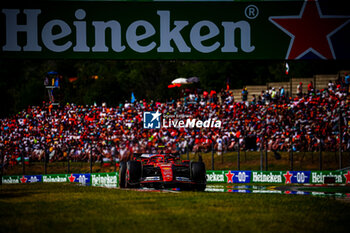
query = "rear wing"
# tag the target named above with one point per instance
(147, 156)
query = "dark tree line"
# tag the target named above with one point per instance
(22, 81)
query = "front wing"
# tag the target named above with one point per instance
(152, 178)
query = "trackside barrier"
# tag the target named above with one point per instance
(213, 176)
(278, 177)
(93, 179)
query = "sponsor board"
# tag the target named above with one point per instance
(216, 177)
(175, 30)
(318, 177)
(267, 177)
(32, 179)
(346, 175)
(11, 179)
(286, 177)
(21, 179)
(213, 176)
(80, 178)
(293, 177)
(238, 176)
(55, 178)
(104, 179)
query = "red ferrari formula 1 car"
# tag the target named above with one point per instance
(162, 171)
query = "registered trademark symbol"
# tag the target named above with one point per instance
(251, 12)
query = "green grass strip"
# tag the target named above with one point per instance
(67, 207)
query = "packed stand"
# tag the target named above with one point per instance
(309, 122)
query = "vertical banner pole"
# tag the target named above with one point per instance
(266, 162)
(238, 157)
(68, 160)
(291, 154)
(45, 163)
(320, 159)
(212, 156)
(187, 152)
(23, 165)
(2, 166)
(340, 140)
(261, 154)
(91, 160)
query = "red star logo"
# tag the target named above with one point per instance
(287, 192)
(347, 176)
(229, 176)
(288, 177)
(71, 178)
(23, 179)
(310, 31)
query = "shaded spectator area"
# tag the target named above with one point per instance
(318, 120)
(320, 81)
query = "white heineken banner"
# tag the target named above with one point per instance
(175, 30)
(104, 179)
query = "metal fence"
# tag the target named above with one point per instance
(239, 159)
(265, 160)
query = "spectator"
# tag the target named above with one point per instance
(262, 98)
(330, 86)
(282, 97)
(267, 97)
(244, 94)
(124, 152)
(253, 99)
(274, 95)
(97, 131)
(310, 88)
(300, 90)
(347, 82)
(219, 145)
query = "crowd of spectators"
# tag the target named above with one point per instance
(308, 122)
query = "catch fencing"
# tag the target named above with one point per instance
(262, 160)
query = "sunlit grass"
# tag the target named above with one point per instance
(71, 208)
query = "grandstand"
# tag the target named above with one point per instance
(320, 81)
(81, 132)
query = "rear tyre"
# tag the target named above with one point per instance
(122, 173)
(133, 174)
(199, 175)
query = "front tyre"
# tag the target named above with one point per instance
(133, 174)
(122, 174)
(198, 175)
